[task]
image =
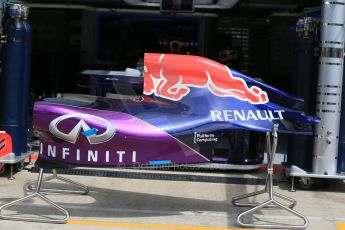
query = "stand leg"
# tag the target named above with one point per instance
(42, 197)
(292, 189)
(11, 173)
(271, 202)
(256, 193)
(278, 205)
(269, 180)
(84, 189)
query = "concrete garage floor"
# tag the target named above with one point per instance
(122, 203)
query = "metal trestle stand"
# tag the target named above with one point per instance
(83, 189)
(271, 202)
(36, 193)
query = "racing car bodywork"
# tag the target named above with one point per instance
(189, 104)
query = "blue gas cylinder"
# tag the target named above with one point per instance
(27, 78)
(12, 78)
(341, 148)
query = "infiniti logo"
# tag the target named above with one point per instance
(90, 133)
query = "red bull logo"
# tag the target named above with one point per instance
(171, 76)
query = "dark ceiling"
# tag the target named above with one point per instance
(242, 5)
(266, 7)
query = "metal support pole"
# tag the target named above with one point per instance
(292, 188)
(329, 89)
(37, 194)
(268, 185)
(11, 173)
(271, 202)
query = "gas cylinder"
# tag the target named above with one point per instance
(341, 151)
(27, 77)
(12, 77)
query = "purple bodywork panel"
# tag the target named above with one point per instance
(130, 141)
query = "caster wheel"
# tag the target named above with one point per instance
(312, 183)
(305, 182)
